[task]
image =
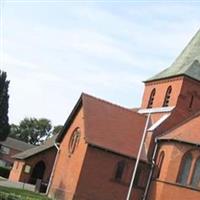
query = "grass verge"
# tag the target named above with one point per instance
(13, 193)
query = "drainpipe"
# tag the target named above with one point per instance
(151, 172)
(138, 157)
(54, 167)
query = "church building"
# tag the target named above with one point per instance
(108, 152)
(100, 141)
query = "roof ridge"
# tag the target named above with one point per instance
(186, 47)
(110, 103)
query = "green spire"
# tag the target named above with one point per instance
(187, 63)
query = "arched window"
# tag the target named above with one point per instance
(185, 169)
(167, 96)
(196, 174)
(119, 170)
(159, 163)
(74, 140)
(37, 172)
(151, 98)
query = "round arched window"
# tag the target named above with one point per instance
(74, 140)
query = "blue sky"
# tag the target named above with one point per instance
(52, 51)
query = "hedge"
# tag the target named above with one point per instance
(4, 172)
(6, 196)
(7, 193)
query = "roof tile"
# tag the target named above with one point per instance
(16, 144)
(113, 127)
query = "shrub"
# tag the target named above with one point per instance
(12, 196)
(4, 172)
(6, 196)
(3, 196)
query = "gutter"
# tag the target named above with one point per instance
(151, 172)
(179, 141)
(115, 152)
(54, 167)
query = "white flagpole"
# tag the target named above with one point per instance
(138, 157)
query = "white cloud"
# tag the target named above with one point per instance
(104, 50)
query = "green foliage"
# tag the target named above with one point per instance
(4, 125)
(19, 194)
(33, 131)
(57, 129)
(5, 196)
(12, 196)
(4, 172)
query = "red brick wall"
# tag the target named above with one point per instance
(165, 186)
(189, 87)
(182, 89)
(18, 174)
(8, 157)
(97, 177)
(161, 88)
(16, 171)
(88, 171)
(169, 191)
(69, 166)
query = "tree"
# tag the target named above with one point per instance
(4, 97)
(32, 130)
(57, 129)
(14, 131)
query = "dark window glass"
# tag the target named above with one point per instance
(159, 164)
(167, 96)
(196, 174)
(74, 140)
(119, 170)
(191, 101)
(137, 176)
(185, 169)
(151, 98)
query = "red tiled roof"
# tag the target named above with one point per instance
(187, 131)
(110, 126)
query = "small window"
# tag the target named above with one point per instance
(119, 170)
(167, 96)
(159, 163)
(74, 140)
(191, 101)
(196, 174)
(185, 169)
(137, 177)
(151, 98)
(27, 169)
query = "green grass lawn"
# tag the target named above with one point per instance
(24, 194)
